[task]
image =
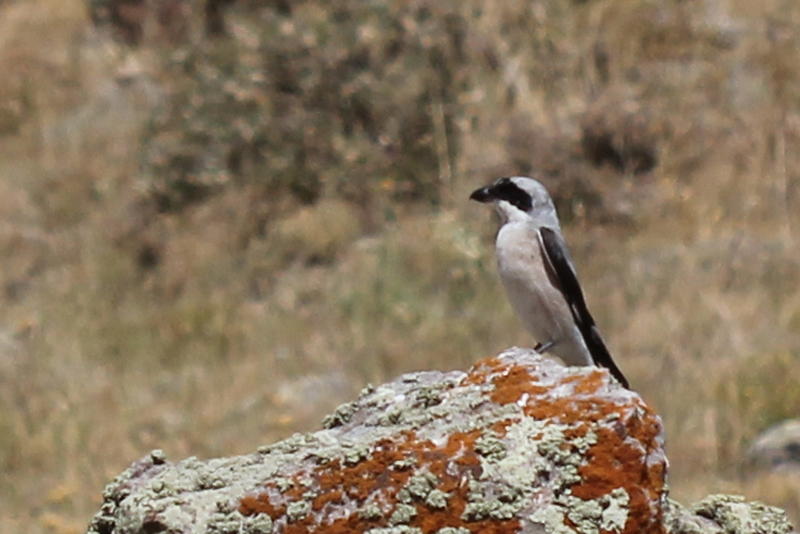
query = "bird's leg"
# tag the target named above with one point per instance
(541, 348)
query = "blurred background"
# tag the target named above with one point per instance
(221, 218)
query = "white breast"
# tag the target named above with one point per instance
(538, 303)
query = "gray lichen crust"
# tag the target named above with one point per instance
(725, 514)
(518, 444)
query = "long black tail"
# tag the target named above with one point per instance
(600, 354)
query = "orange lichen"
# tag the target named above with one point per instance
(335, 497)
(617, 461)
(501, 427)
(481, 371)
(511, 385)
(451, 464)
(591, 383)
(260, 504)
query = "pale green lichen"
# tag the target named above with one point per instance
(258, 524)
(384, 395)
(475, 490)
(290, 445)
(550, 444)
(607, 513)
(173, 517)
(550, 447)
(403, 496)
(340, 415)
(453, 530)
(157, 456)
(429, 396)
(615, 514)
(585, 515)
(298, 510)
(400, 529)
(391, 417)
(282, 483)
(209, 481)
(437, 499)
(733, 514)
(420, 484)
(366, 391)
(370, 511)
(728, 514)
(405, 463)
(328, 448)
(551, 518)
(227, 507)
(505, 503)
(403, 514)
(490, 447)
(519, 464)
(485, 418)
(476, 402)
(233, 522)
(418, 418)
(193, 463)
(355, 453)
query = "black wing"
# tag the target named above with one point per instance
(564, 275)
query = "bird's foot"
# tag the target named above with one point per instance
(541, 348)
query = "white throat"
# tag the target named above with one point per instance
(509, 213)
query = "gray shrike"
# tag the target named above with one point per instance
(539, 277)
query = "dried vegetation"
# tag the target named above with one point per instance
(220, 219)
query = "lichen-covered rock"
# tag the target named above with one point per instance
(777, 447)
(724, 514)
(519, 443)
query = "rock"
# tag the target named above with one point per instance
(771, 467)
(725, 514)
(519, 443)
(777, 447)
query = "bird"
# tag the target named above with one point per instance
(539, 276)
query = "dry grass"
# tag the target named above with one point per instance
(235, 321)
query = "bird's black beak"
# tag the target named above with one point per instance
(484, 194)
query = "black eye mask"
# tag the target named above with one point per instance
(504, 189)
